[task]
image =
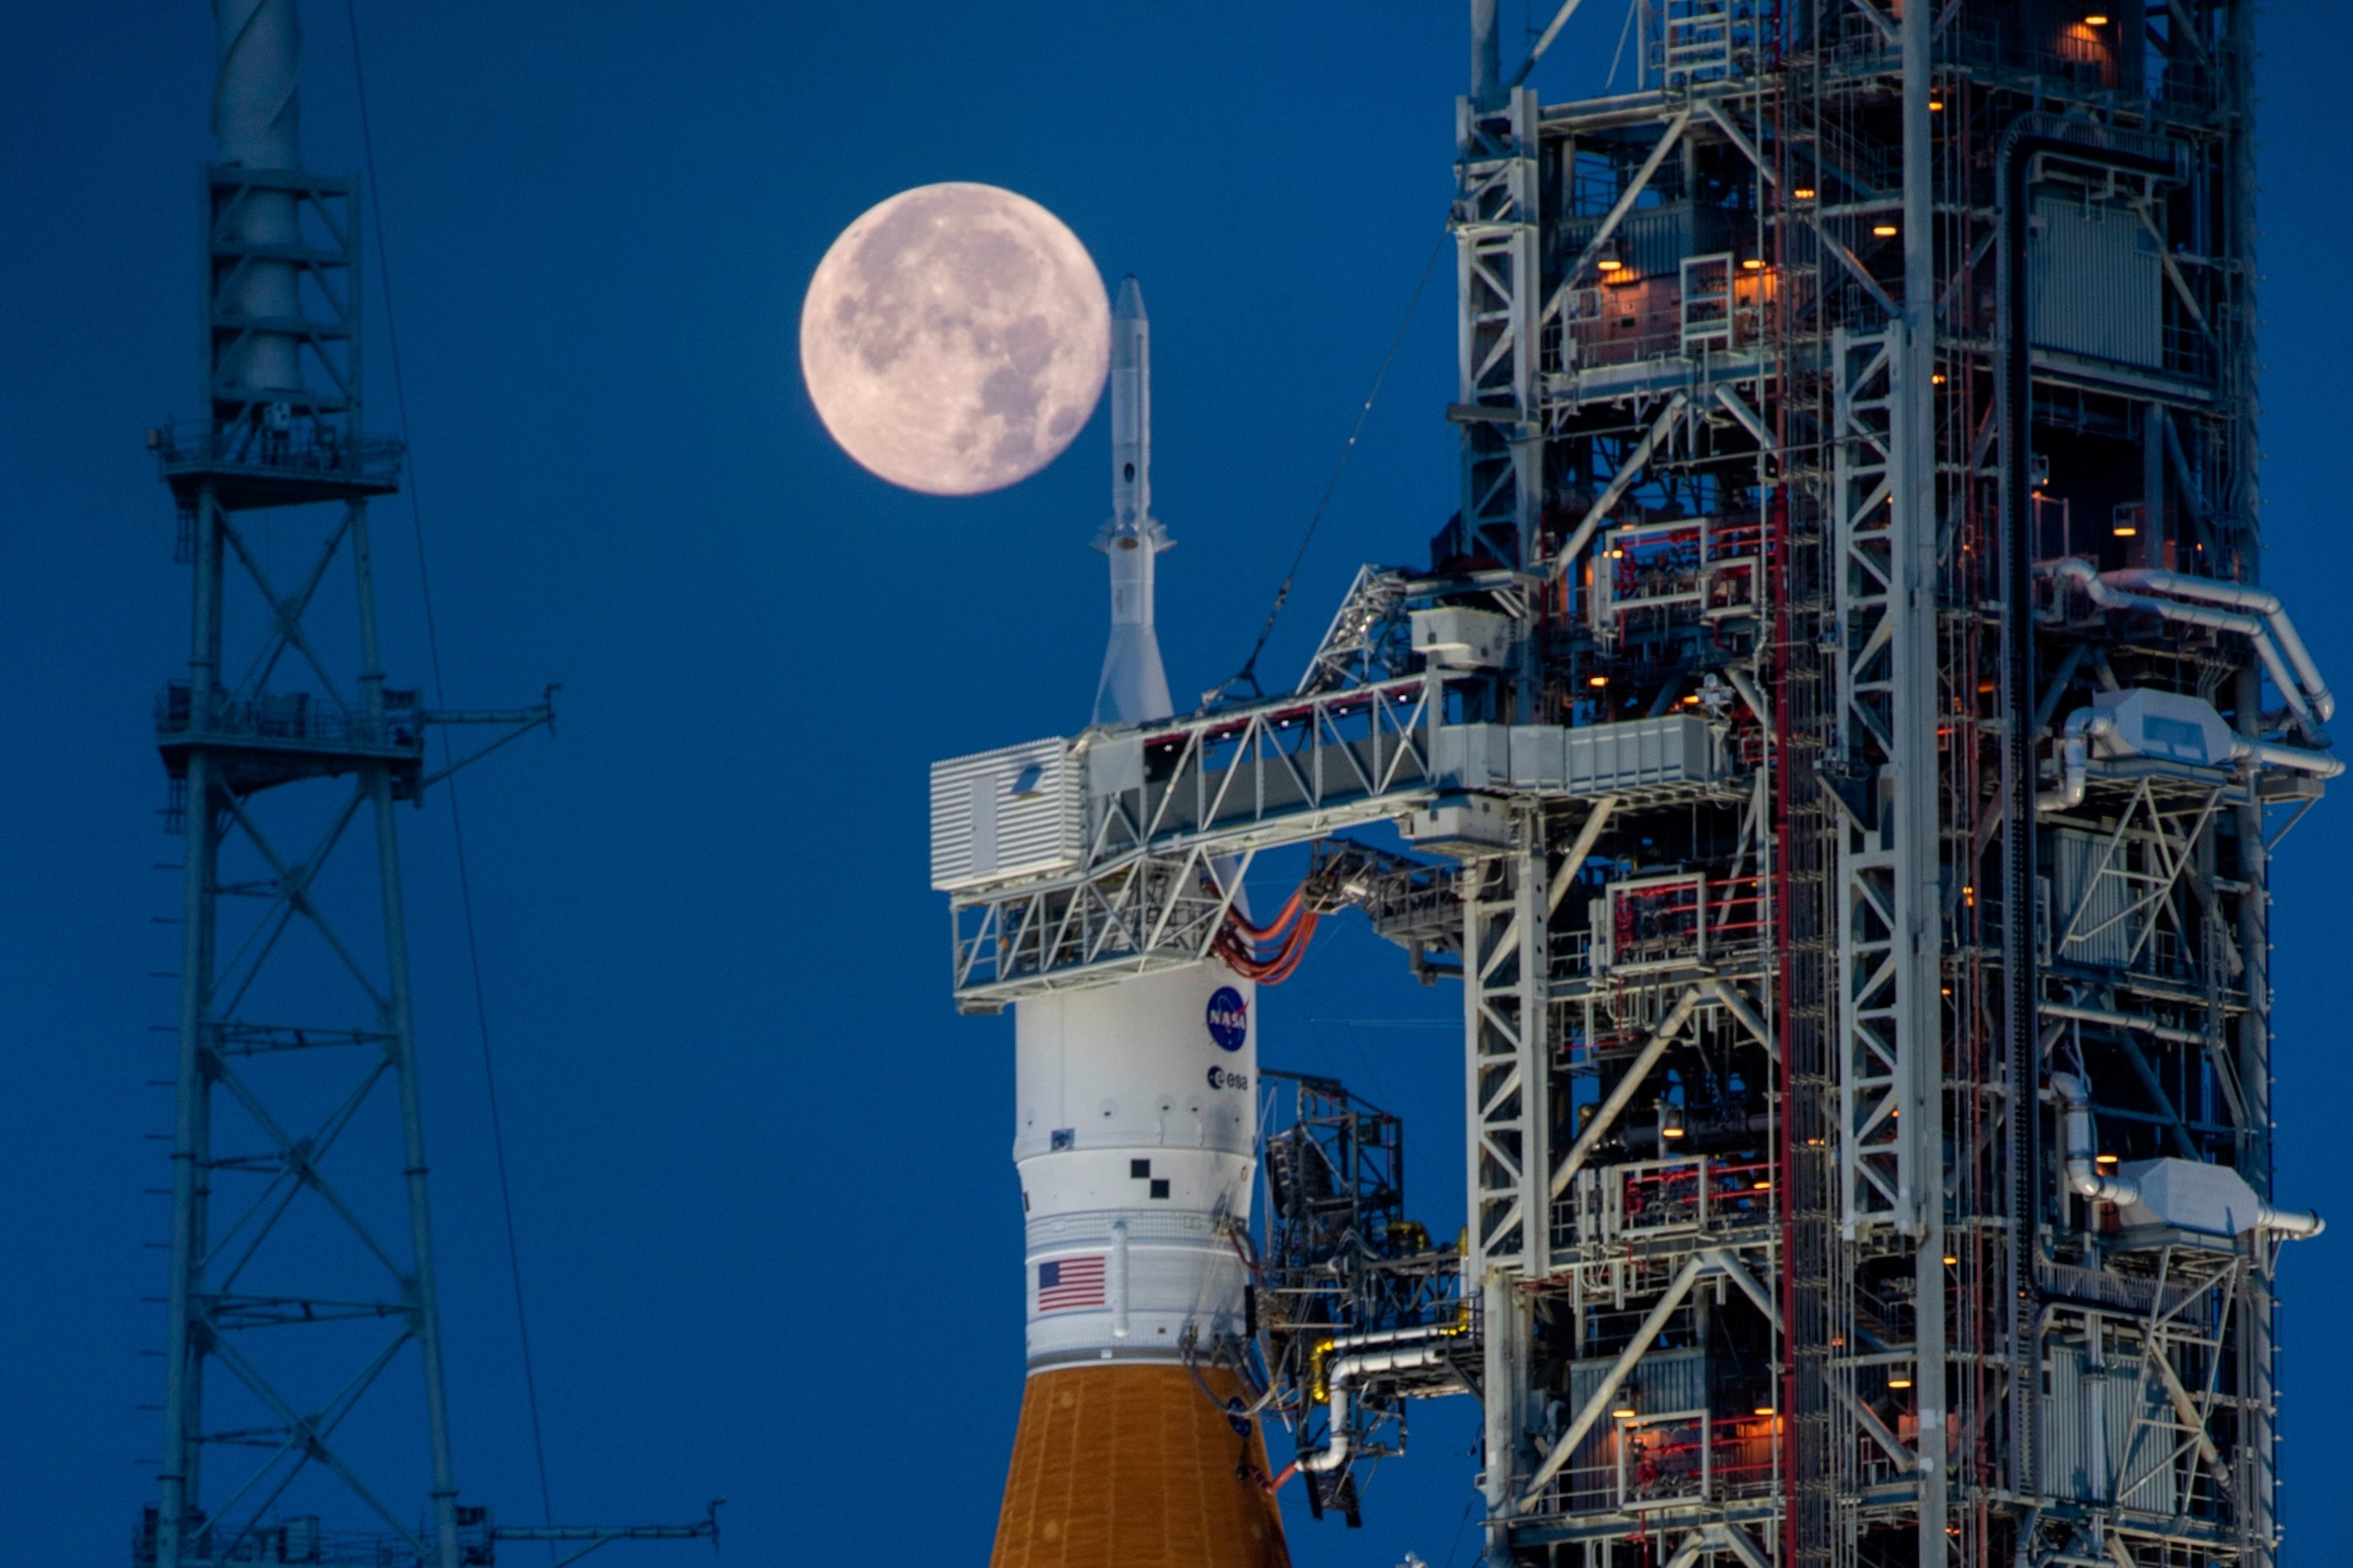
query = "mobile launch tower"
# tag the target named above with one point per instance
(1840, 742)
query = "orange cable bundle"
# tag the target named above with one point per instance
(1241, 941)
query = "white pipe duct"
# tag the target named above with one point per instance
(2255, 601)
(2155, 1177)
(2075, 757)
(2264, 753)
(1350, 1370)
(2108, 593)
(2087, 724)
(2113, 1019)
(2083, 1173)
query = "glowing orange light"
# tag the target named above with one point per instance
(1763, 1410)
(1754, 264)
(1935, 106)
(1609, 264)
(1761, 1186)
(1936, 379)
(2105, 1159)
(1899, 1382)
(1597, 681)
(2126, 531)
(1883, 231)
(1623, 1413)
(2096, 20)
(1803, 193)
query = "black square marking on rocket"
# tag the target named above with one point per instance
(1160, 1187)
(1139, 1169)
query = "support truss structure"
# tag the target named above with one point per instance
(1873, 391)
(302, 1288)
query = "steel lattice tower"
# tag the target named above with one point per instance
(298, 1192)
(1857, 732)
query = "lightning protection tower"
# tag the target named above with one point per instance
(302, 1281)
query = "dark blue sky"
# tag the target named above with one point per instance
(769, 1229)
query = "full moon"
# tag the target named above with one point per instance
(956, 338)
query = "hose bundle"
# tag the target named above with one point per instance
(1269, 953)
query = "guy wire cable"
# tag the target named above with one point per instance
(1249, 672)
(457, 818)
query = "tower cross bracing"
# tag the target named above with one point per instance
(1846, 734)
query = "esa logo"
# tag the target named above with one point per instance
(1228, 1018)
(1226, 1079)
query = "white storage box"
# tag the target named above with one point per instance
(1003, 814)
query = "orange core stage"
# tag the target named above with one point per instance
(1131, 1467)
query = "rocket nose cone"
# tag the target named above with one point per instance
(1131, 302)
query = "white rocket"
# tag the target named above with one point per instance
(1136, 1106)
(1134, 685)
(1136, 1101)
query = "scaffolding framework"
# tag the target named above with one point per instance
(301, 1266)
(276, 756)
(1873, 391)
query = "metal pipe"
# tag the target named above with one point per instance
(1588, 835)
(400, 1017)
(2238, 596)
(2074, 755)
(1559, 20)
(1913, 660)
(1564, 1447)
(1608, 228)
(2297, 1224)
(2149, 1026)
(2083, 1177)
(2083, 1173)
(1119, 1279)
(1759, 704)
(2107, 596)
(2267, 755)
(1725, 992)
(1346, 1372)
(1628, 473)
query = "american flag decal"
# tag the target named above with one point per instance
(1069, 1282)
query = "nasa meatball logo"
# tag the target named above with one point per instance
(1228, 1018)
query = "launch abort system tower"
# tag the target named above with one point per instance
(1853, 732)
